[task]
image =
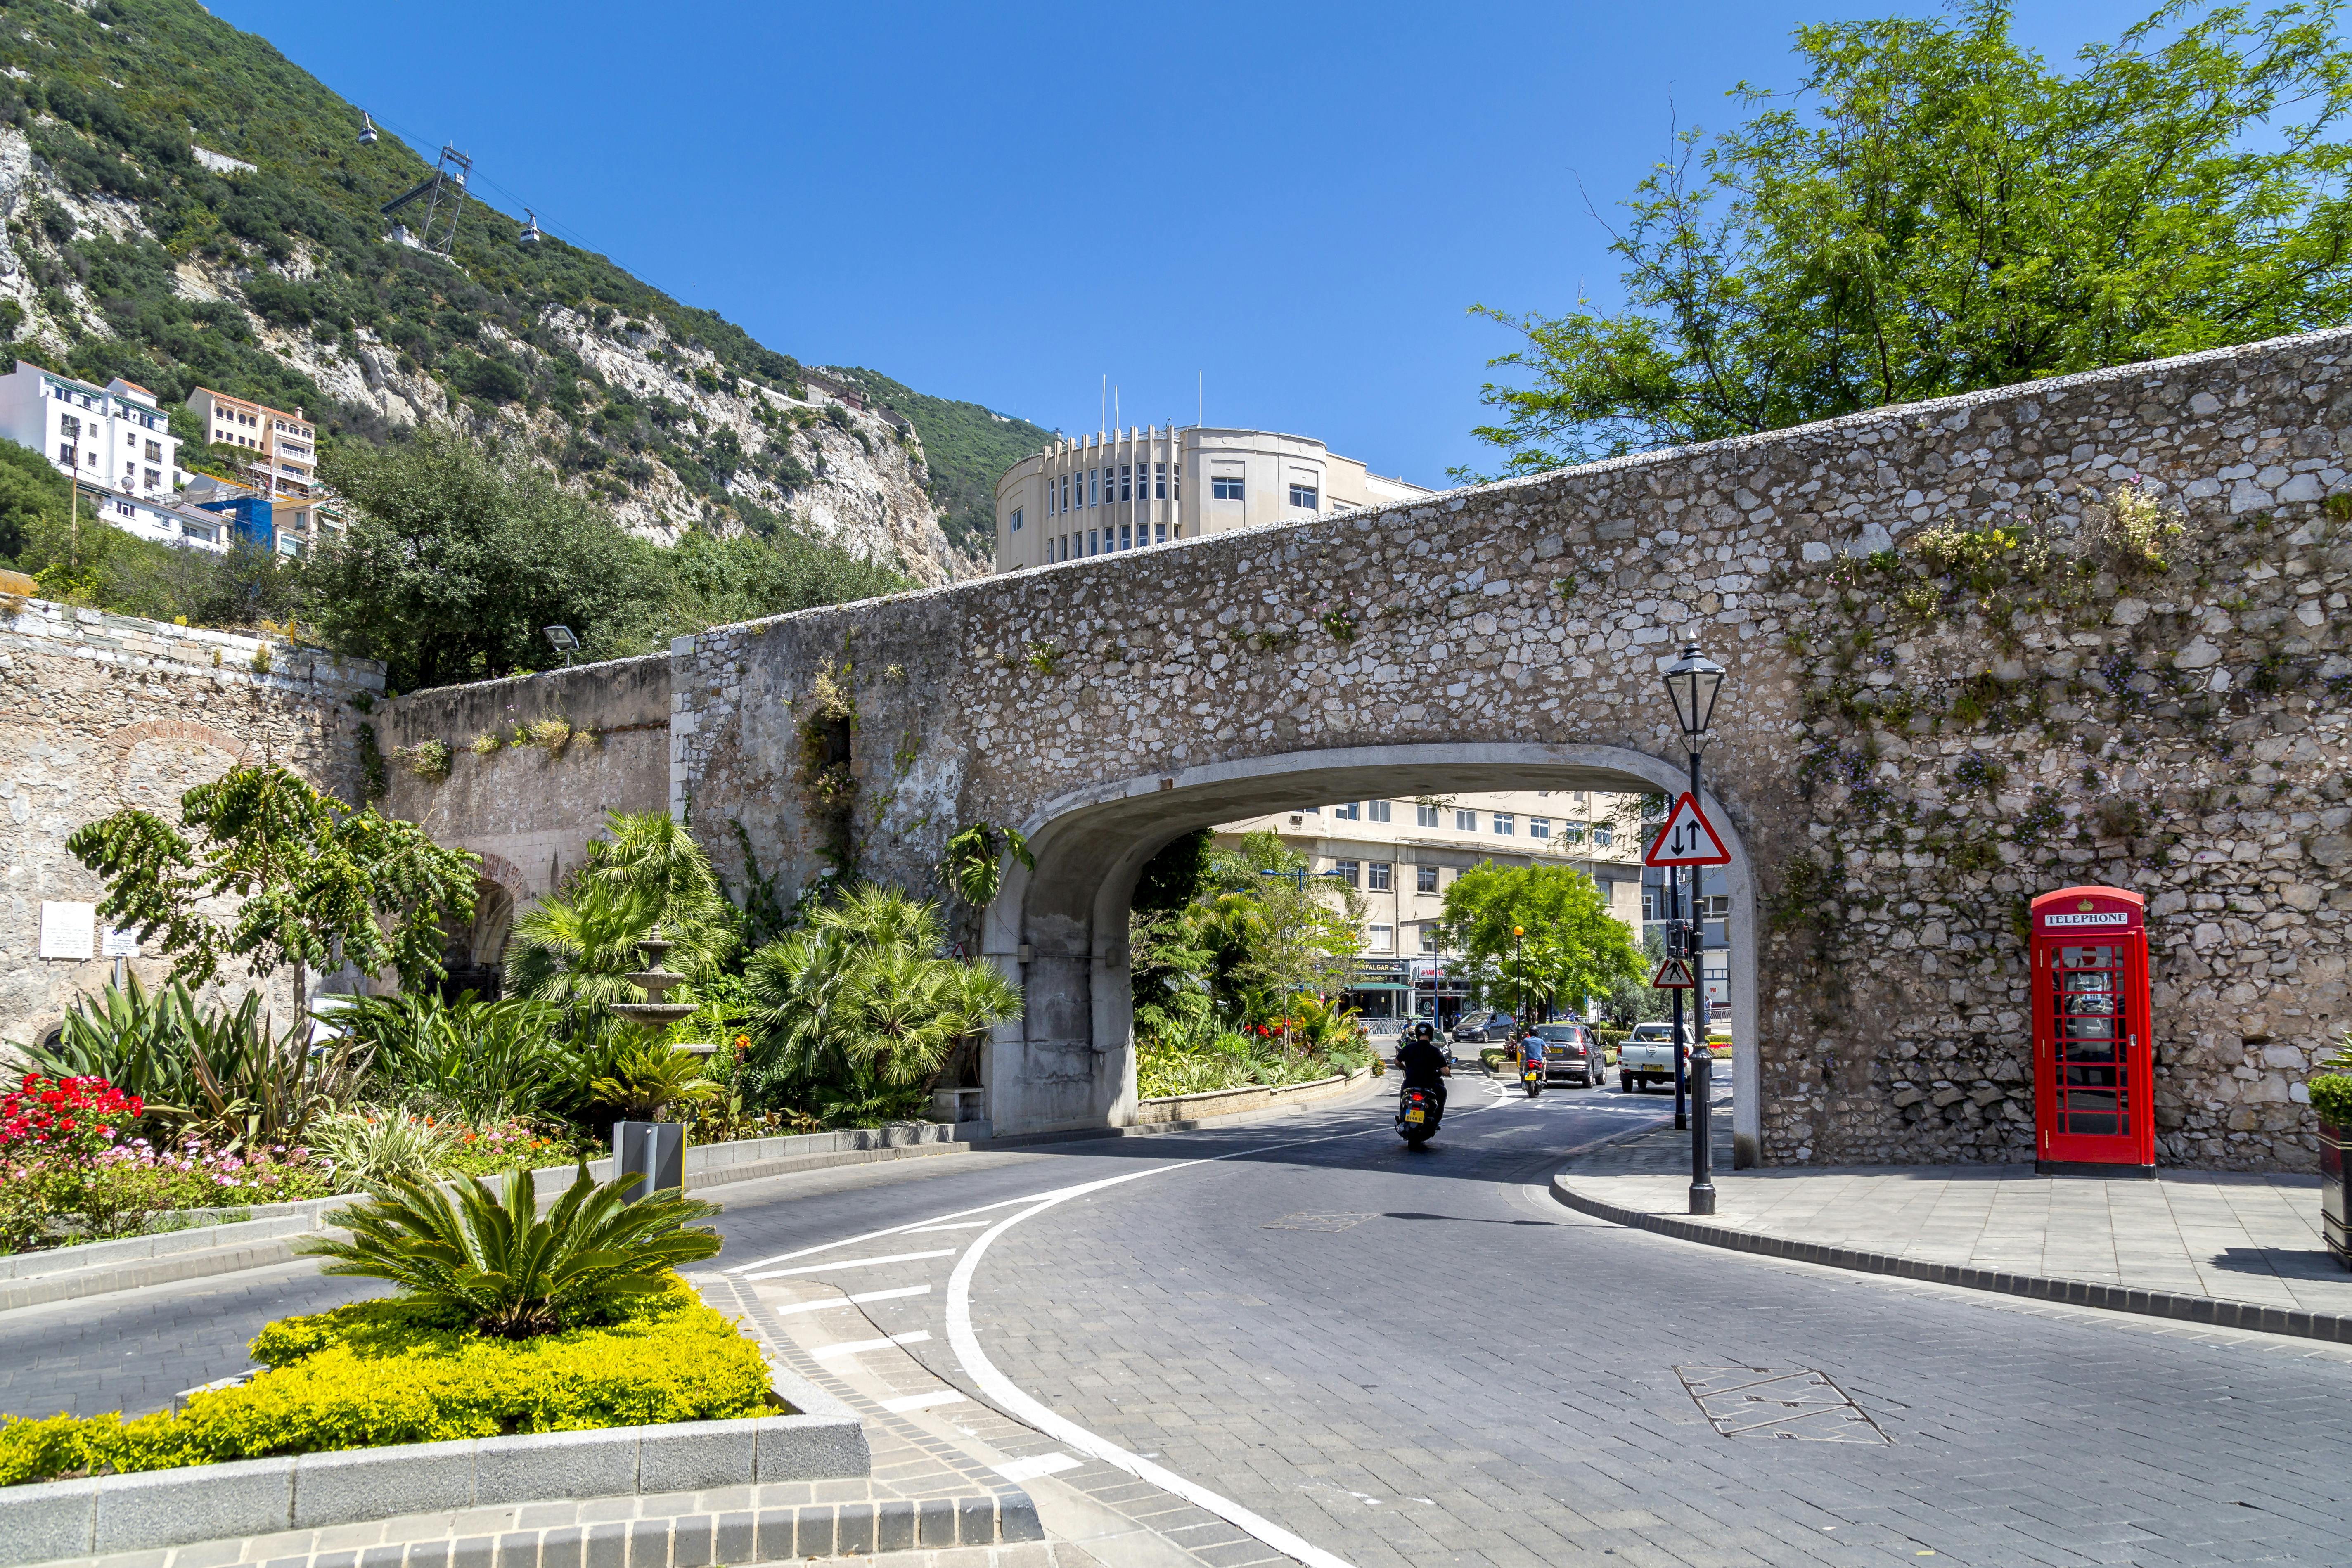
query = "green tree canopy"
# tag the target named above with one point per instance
(1932, 210)
(32, 493)
(321, 885)
(1574, 947)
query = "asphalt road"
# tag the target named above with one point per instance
(1416, 1357)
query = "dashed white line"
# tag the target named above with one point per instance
(856, 1263)
(860, 1300)
(859, 1347)
(907, 1401)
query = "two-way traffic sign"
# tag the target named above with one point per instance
(1674, 974)
(1688, 838)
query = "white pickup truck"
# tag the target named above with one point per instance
(1647, 1057)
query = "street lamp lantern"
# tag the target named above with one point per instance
(1694, 681)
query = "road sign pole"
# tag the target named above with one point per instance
(1676, 940)
(1702, 1185)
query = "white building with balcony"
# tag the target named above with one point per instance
(111, 438)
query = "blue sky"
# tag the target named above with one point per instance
(1008, 203)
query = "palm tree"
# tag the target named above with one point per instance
(578, 945)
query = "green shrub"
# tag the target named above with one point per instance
(496, 1265)
(2331, 1097)
(379, 1373)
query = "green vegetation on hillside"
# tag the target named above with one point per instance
(1933, 211)
(113, 93)
(969, 448)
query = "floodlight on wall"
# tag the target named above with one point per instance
(561, 639)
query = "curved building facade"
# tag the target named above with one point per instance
(1131, 489)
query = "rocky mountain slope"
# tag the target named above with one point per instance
(184, 206)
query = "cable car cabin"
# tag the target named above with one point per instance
(2094, 1066)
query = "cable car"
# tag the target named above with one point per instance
(367, 130)
(530, 235)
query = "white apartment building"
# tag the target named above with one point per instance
(284, 466)
(1402, 854)
(1128, 489)
(112, 437)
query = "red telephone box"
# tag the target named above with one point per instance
(2094, 1067)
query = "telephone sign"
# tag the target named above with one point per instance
(1688, 838)
(2094, 1065)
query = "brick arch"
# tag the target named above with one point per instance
(497, 868)
(220, 740)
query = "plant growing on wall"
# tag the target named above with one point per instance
(973, 865)
(828, 780)
(319, 884)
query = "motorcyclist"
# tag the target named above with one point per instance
(1533, 1050)
(1424, 1066)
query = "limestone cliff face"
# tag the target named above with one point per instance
(847, 475)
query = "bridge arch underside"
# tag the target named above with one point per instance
(1069, 1062)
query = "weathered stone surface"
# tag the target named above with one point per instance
(1904, 758)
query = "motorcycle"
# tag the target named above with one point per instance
(1531, 1074)
(1418, 1110)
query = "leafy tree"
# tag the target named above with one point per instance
(973, 864)
(321, 885)
(1295, 933)
(32, 492)
(1573, 947)
(1933, 210)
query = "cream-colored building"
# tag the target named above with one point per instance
(283, 468)
(1130, 488)
(1402, 854)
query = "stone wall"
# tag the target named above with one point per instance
(98, 713)
(2083, 630)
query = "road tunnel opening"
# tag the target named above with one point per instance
(1062, 927)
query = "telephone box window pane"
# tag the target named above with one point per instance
(2097, 1126)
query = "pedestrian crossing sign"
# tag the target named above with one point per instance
(1674, 974)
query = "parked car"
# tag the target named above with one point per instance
(1571, 1052)
(1647, 1057)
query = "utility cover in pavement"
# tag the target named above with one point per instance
(1314, 1221)
(1778, 1402)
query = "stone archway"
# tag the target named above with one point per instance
(1069, 1062)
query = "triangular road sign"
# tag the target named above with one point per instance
(1688, 838)
(1674, 974)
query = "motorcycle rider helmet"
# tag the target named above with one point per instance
(1425, 1033)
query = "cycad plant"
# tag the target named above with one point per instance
(643, 1080)
(494, 1264)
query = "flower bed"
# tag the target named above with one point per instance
(376, 1373)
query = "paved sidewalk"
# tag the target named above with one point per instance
(2236, 1242)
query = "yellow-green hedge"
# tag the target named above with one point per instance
(368, 1374)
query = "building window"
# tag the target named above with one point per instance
(1126, 536)
(1162, 530)
(1424, 816)
(66, 454)
(1429, 939)
(1094, 545)
(1572, 831)
(1094, 487)
(1505, 823)
(1303, 495)
(1424, 879)
(1065, 492)
(1604, 836)
(154, 479)
(1344, 870)
(1379, 809)
(1540, 827)
(1159, 479)
(1125, 474)
(1650, 905)
(1016, 519)
(1465, 821)
(1376, 876)
(154, 451)
(1224, 487)
(1348, 811)
(1380, 939)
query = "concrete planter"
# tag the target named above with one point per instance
(1214, 1102)
(2334, 1205)
(821, 1441)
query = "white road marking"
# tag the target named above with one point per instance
(959, 1224)
(859, 1347)
(907, 1401)
(870, 1236)
(846, 1300)
(1040, 1465)
(856, 1263)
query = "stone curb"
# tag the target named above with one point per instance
(148, 1509)
(101, 1267)
(2209, 1311)
(1262, 1098)
(1156, 1128)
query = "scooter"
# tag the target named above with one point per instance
(1418, 1111)
(1531, 1070)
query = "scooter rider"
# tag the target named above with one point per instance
(1423, 1065)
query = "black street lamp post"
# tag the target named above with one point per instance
(1694, 681)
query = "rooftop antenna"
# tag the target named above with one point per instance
(1102, 413)
(367, 130)
(444, 194)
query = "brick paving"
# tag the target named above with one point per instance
(2230, 1236)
